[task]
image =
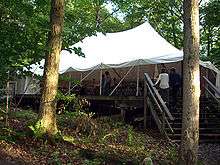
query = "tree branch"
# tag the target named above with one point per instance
(101, 22)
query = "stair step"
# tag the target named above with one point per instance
(204, 113)
(202, 118)
(208, 123)
(210, 135)
(177, 129)
(178, 141)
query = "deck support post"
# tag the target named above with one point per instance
(81, 76)
(100, 83)
(145, 105)
(138, 78)
(69, 85)
(123, 114)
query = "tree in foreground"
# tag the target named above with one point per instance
(47, 118)
(191, 84)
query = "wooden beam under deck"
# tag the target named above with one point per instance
(90, 97)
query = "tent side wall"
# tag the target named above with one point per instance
(118, 74)
(132, 76)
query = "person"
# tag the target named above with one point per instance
(174, 82)
(164, 67)
(164, 85)
(102, 84)
(107, 83)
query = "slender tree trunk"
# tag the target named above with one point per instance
(191, 84)
(47, 115)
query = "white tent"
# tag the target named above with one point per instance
(139, 46)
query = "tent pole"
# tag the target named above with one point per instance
(69, 84)
(156, 73)
(116, 72)
(100, 83)
(81, 76)
(121, 80)
(26, 83)
(138, 78)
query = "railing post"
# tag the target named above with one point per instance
(145, 105)
(163, 121)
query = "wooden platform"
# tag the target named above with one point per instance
(116, 101)
(93, 97)
(114, 98)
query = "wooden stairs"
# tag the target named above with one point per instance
(209, 121)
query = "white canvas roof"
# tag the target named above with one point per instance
(139, 46)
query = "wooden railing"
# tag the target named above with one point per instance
(212, 90)
(157, 107)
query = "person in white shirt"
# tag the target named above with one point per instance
(164, 85)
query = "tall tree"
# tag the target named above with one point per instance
(47, 118)
(24, 26)
(22, 36)
(210, 31)
(191, 84)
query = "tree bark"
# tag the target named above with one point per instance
(191, 84)
(47, 116)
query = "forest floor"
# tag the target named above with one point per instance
(85, 141)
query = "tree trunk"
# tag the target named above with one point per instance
(47, 117)
(191, 84)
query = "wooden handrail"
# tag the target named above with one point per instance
(210, 93)
(213, 87)
(157, 120)
(163, 106)
(158, 105)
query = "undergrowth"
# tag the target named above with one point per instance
(99, 139)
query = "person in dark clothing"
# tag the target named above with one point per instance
(175, 82)
(102, 84)
(107, 83)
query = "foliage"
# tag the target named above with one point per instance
(66, 98)
(24, 26)
(80, 121)
(22, 29)
(130, 136)
(78, 147)
(69, 79)
(27, 115)
(69, 102)
(37, 129)
(210, 14)
(55, 159)
(166, 16)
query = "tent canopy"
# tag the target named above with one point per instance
(139, 46)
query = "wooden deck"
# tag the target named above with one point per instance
(93, 97)
(114, 98)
